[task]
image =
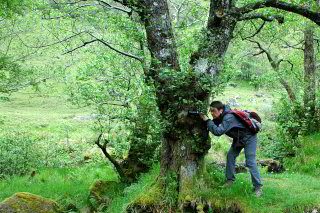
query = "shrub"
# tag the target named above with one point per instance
(306, 160)
(18, 153)
(294, 120)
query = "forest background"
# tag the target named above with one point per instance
(88, 95)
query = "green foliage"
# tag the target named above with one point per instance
(124, 105)
(19, 153)
(306, 159)
(294, 120)
(10, 7)
(13, 77)
(171, 193)
(146, 129)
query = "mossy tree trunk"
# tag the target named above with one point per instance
(309, 72)
(186, 139)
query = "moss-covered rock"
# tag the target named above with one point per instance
(23, 202)
(99, 193)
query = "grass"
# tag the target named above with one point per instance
(65, 185)
(282, 193)
(43, 115)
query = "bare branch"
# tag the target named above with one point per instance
(47, 45)
(108, 156)
(106, 44)
(70, 13)
(259, 53)
(120, 52)
(313, 16)
(293, 46)
(105, 4)
(69, 3)
(265, 18)
(84, 44)
(263, 50)
(258, 31)
(126, 105)
(286, 61)
(21, 58)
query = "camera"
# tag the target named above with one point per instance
(193, 113)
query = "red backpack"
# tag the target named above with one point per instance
(249, 119)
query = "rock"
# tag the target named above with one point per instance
(98, 193)
(233, 102)
(23, 202)
(85, 117)
(86, 209)
(273, 165)
(253, 100)
(232, 85)
(259, 95)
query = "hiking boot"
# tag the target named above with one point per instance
(257, 191)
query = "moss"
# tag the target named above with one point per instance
(188, 198)
(200, 207)
(152, 196)
(29, 203)
(101, 192)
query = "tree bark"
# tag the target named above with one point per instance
(309, 71)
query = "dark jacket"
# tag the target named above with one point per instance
(228, 124)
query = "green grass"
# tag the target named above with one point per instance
(43, 115)
(62, 185)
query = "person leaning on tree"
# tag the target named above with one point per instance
(226, 123)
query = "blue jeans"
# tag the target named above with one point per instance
(250, 156)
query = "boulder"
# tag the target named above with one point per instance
(273, 165)
(23, 202)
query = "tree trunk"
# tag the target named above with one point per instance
(186, 139)
(287, 87)
(309, 71)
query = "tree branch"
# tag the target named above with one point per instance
(47, 45)
(258, 31)
(84, 44)
(313, 16)
(107, 155)
(120, 52)
(70, 13)
(286, 61)
(265, 18)
(126, 105)
(293, 46)
(275, 64)
(105, 4)
(106, 44)
(69, 3)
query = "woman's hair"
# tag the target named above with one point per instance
(217, 104)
